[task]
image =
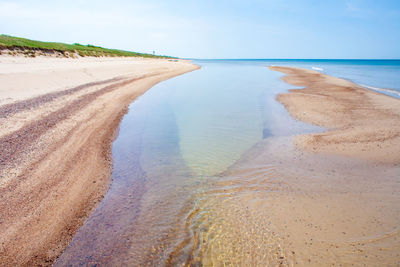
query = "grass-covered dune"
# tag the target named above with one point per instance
(31, 48)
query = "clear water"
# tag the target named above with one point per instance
(173, 154)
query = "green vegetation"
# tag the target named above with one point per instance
(31, 48)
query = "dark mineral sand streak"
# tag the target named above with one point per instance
(13, 108)
(17, 142)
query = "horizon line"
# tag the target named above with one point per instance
(392, 59)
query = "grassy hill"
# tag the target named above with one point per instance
(17, 45)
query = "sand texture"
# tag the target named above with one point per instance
(340, 200)
(309, 209)
(361, 123)
(58, 118)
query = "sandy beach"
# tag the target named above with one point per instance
(362, 123)
(327, 198)
(340, 199)
(58, 117)
(200, 133)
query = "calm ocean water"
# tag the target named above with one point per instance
(176, 143)
(379, 75)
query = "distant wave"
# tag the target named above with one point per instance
(383, 90)
(318, 69)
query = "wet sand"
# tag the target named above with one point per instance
(362, 123)
(288, 202)
(58, 118)
(281, 206)
(340, 202)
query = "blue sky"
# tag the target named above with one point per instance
(215, 29)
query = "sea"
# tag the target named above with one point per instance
(379, 75)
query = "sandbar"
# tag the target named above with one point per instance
(361, 123)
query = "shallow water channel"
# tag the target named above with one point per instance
(171, 159)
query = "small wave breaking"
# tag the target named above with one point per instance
(382, 90)
(317, 68)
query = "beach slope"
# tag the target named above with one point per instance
(58, 119)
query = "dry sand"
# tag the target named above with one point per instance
(58, 118)
(361, 123)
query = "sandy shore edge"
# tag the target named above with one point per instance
(55, 162)
(360, 123)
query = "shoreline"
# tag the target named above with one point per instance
(311, 207)
(56, 139)
(343, 184)
(359, 123)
